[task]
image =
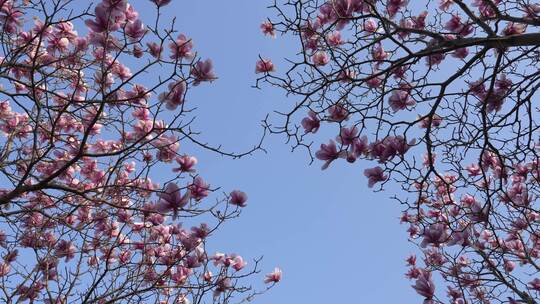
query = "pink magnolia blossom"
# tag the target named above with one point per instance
(5, 268)
(334, 38)
(338, 113)
(461, 53)
(137, 51)
(400, 100)
(154, 49)
(407, 24)
(167, 148)
(135, 30)
(274, 276)
(102, 21)
(347, 135)
(420, 20)
(435, 234)
(454, 25)
(238, 263)
(347, 75)
(509, 266)
(181, 48)
(311, 123)
(514, 29)
(65, 249)
(374, 82)
(264, 66)
(445, 4)
(268, 29)
(238, 198)
(171, 199)
(485, 8)
(535, 284)
(175, 96)
(223, 285)
(360, 146)
(199, 188)
(424, 285)
(375, 175)
(320, 58)
(393, 6)
(370, 25)
(378, 53)
(203, 71)
(328, 153)
(186, 163)
(389, 147)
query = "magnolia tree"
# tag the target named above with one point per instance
(436, 97)
(94, 109)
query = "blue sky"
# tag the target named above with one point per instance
(336, 240)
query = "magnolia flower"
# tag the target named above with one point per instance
(389, 147)
(238, 198)
(311, 123)
(273, 277)
(223, 285)
(154, 49)
(424, 285)
(328, 153)
(378, 53)
(338, 113)
(347, 135)
(360, 146)
(181, 48)
(101, 23)
(268, 29)
(375, 175)
(207, 276)
(135, 30)
(65, 249)
(454, 25)
(238, 263)
(174, 96)
(264, 66)
(172, 200)
(374, 82)
(445, 4)
(461, 53)
(334, 38)
(393, 6)
(420, 20)
(509, 265)
(400, 100)
(199, 188)
(5, 268)
(203, 71)
(535, 284)
(320, 58)
(435, 234)
(370, 25)
(186, 163)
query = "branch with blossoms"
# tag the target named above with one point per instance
(85, 136)
(440, 95)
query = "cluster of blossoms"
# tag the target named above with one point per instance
(82, 138)
(455, 229)
(353, 146)
(453, 81)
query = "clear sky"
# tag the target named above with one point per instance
(336, 240)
